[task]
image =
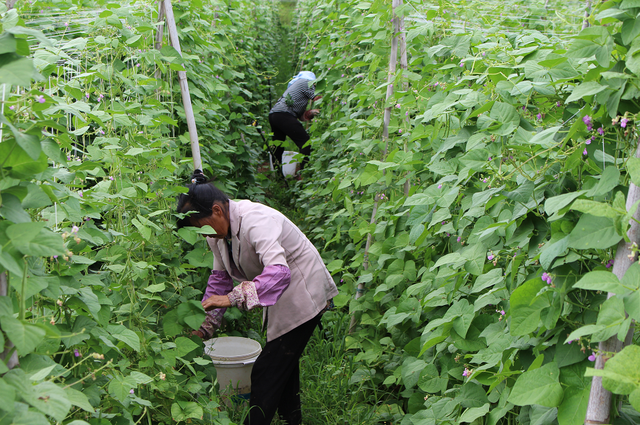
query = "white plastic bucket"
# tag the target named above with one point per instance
(233, 358)
(288, 163)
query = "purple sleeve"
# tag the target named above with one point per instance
(271, 283)
(220, 283)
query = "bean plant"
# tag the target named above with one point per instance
(100, 293)
(486, 284)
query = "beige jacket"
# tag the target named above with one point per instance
(262, 236)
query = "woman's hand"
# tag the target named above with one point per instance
(216, 301)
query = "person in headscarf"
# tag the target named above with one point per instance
(286, 115)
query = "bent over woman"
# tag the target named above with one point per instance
(280, 270)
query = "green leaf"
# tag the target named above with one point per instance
(15, 70)
(121, 333)
(49, 399)
(539, 386)
(507, 118)
(573, 409)
(556, 203)
(594, 208)
(45, 244)
(184, 346)
(191, 313)
(546, 137)
(585, 89)
(78, 399)
(601, 281)
(593, 41)
(526, 307)
(593, 233)
(25, 336)
(608, 180)
(183, 410)
(472, 395)
(474, 413)
(30, 143)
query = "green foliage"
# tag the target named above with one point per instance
(482, 227)
(102, 297)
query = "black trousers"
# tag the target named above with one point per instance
(284, 124)
(275, 378)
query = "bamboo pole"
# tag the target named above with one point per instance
(587, 12)
(599, 405)
(404, 65)
(184, 87)
(393, 61)
(159, 33)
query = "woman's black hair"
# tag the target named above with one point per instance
(200, 199)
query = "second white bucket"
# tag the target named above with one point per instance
(233, 358)
(288, 163)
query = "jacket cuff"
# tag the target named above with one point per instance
(244, 296)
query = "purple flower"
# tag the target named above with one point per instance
(592, 357)
(40, 99)
(601, 131)
(131, 391)
(546, 277)
(466, 372)
(588, 141)
(80, 193)
(12, 107)
(75, 229)
(484, 53)
(87, 95)
(459, 239)
(623, 122)
(570, 341)
(66, 24)
(490, 158)
(400, 131)
(587, 121)
(609, 264)
(461, 64)
(490, 257)
(76, 353)
(539, 116)
(439, 186)
(111, 178)
(558, 104)
(584, 152)
(484, 180)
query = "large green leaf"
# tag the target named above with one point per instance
(45, 244)
(526, 307)
(600, 280)
(183, 410)
(539, 386)
(121, 333)
(25, 336)
(15, 70)
(593, 233)
(506, 116)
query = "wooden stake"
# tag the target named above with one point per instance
(393, 61)
(600, 398)
(587, 12)
(159, 34)
(404, 65)
(184, 87)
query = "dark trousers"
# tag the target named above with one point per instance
(275, 378)
(284, 124)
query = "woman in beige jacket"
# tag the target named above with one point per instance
(280, 270)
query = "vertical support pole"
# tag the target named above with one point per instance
(599, 405)
(404, 65)
(393, 61)
(159, 33)
(587, 12)
(10, 4)
(184, 87)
